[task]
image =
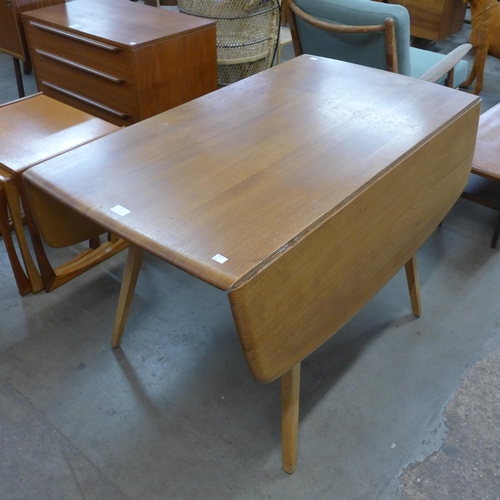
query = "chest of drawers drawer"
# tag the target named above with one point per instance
(121, 61)
(91, 75)
(101, 56)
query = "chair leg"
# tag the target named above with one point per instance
(290, 395)
(19, 77)
(283, 12)
(497, 232)
(129, 281)
(413, 285)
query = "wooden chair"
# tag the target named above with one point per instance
(375, 45)
(372, 34)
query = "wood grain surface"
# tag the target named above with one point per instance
(247, 170)
(305, 296)
(12, 36)
(487, 154)
(37, 128)
(122, 22)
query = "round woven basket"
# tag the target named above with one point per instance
(247, 34)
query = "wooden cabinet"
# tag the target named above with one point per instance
(12, 38)
(434, 19)
(119, 60)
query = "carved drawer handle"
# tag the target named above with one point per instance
(86, 100)
(72, 36)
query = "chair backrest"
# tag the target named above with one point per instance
(367, 49)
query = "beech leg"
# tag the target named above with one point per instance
(413, 285)
(130, 275)
(290, 388)
(470, 78)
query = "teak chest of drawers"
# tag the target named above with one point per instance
(12, 39)
(119, 60)
(12, 36)
(434, 19)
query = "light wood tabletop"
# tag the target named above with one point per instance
(302, 190)
(38, 127)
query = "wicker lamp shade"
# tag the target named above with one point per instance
(247, 34)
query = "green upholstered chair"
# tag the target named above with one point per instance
(372, 34)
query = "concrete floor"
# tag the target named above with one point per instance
(175, 414)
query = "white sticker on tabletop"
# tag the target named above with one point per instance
(219, 258)
(118, 209)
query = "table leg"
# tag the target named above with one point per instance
(130, 275)
(94, 242)
(290, 389)
(413, 285)
(13, 201)
(22, 282)
(497, 232)
(19, 77)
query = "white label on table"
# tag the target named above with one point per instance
(219, 258)
(75, 26)
(313, 58)
(118, 209)
(132, 43)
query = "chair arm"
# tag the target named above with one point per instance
(446, 64)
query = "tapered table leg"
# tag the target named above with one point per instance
(132, 269)
(290, 388)
(413, 285)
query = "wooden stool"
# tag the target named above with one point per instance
(32, 130)
(484, 183)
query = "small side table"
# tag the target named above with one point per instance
(32, 130)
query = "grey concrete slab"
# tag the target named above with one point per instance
(38, 462)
